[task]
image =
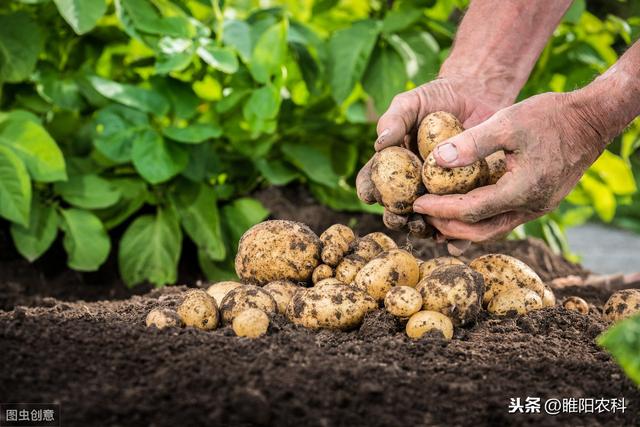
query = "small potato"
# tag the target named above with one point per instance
(427, 267)
(576, 304)
(251, 323)
(439, 180)
(163, 318)
(199, 309)
(621, 305)
(395, 173)
(367, 249)
(282, 291)
(385, 242)
(277, 250)
(519, 300)
(220, 289)
(548, 297)
(244, 297)
(394, 221)
(453, 290)
(333, 306)
(394, 268)
(403, 301)
(321, 272)
(497, 163)
(435, 128)
(336, 241)
(330, 281)
(348, 268)
(425, 321)
(502, 272)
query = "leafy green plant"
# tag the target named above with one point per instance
(623, 342)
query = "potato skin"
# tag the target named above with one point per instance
(336, 241)
(394, 221)
(385, 242)
(548, 297)
(332, 306)
(395, 173)
(519, 300)
(435, 128)
(497, 163)
(329, 281)
(282, 291)
(277, 250)
(163, 318)
(251, 323)
(439, 180)
(220, 289)
(621, 305)
(199, 309)
(244, 297)
(396, 267)
(455, 291)
(366, 248)
(321, 272)
(348, 268)
(502, 272)
(425, 321)
(403, 301)
(427, 266)
(576, 304)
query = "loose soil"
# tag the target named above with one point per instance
(100, 362)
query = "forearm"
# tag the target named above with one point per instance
(499, 42)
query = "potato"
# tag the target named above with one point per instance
(282, 291)
(519, 300)
(425, 321)
(453, 290)
(163, 318)
(621, 305)
(366, 248)
(244, 297)
(321, 272)
(277, 250)
(251, 323)
(576, 304)
(336, 241)
(439, 180)
(330, 281)
(333, 306)
(502, 272)
(394, 221)
(548, 297)
(385, 242)
(435, 128)
(394, 268)
(220, 289)
(427, 267)
(497, 163)
(199, 309)
(348, 268)
(395, 173)
(403, 301)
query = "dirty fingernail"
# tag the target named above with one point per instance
(382, 135)
(448, 152)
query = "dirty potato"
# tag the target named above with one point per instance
(439, 180)
(395, 173)
(435, 128)
(251, 323)
(394, 268)
(336, 241)
(321, 272)
(163, 318)
(576, 304)
(330, 281)
(220, 289)
(385, 242)
(366, 248)
(348, 268)
(199, 309)
(277, 250)
(282, 291)
(497, 163)
(548, 297)
(403, 301)
(332, 306)
(621, 305)
(453, 290)
(518, 300)
(244, 297)
(427, 267)
(426, 321)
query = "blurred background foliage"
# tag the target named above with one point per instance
(153, 121)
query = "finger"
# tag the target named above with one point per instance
(398, 120)
(364, 185)
(488, 229)
(394, 221)
(457, 247)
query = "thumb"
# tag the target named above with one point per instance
(469, 146)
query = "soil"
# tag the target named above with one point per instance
(99, 361)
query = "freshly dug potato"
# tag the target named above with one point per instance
(403, 301)
(385, 242)
(453, 290)
(395, 173)
(622, 304)
(333, 306)
(348, 268)
(425, 321)
(394, 221)
(220, 289)
(367, 248)
(244, 297)
(330, 281)
(394, 268)
(282, 291)
(199, 309)
(435, 128)
(576, 304)
(439, 180)
(519, 300)
(497, 163)
(251, 323)
(502, 272)
(427, 267)
(548, 297)
(321, 272)
(278, 250)
(336, 241)
(163, 318)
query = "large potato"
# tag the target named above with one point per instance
(395, 172)
(548, 297)
(394, 268)
(219, 290)
(282, 291)
(502, 272)
(277, 250)
(427, 267)
(439, 180)
(336, 241)
(244, 297)
(251, 323)
(622, 304)
(427, 321)
(385, 242)
(518, 300)
(333, 306)
(435, 128)
(199, 309)
(453, 290)
(403, 301)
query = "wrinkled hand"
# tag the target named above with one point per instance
(549, 142)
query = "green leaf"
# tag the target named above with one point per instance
(85, 240)
(150, 249)
(216, 271)
(276, 172)
(141, 15)
(141, 99)
(60, 90)
(15, 188)
(155, 159)
(240, 215)
(88, 191)
(81, 15)
(117, 127)
(623, 342)
(616, 173)
(385, 77)
(33, 240)
(220, 58)
(422, 48)
(39, 152)
(269, 52)
(194, 133)
(264, 103)
(183, 101)
(342, 198)
(237, 35)
(20, 43)
(175, 54)
(575, 11)
(400, 19)
(314, 159)
(133, 193)
(603, 200)
(349, 52)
